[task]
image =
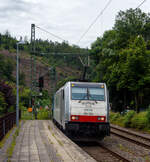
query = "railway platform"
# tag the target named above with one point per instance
(41, 141)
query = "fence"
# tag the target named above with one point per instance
(7, 122)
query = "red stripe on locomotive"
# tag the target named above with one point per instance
(86, 118)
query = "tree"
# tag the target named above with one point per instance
(135, 73)
(122, 60)
(3, 104)
(6, 68)
(131, 23)
(7, 96)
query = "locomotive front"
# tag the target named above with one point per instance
(89, 110)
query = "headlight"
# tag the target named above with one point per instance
(73, 117)
(101, 118)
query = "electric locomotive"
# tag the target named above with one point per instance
(81, 110)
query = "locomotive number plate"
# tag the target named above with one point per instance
(88, 110)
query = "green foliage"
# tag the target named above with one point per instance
(22, 79)
(6, 68)
(25, 115)
(128, 117)
(62, 82)
(3, 141)
(7, 96)
(42, 114)
(7, 42)
(114, 116)
(139, 121)
(12, 145)
(148, 115)
(129, 24)
(2, 103)
(44, 102)
(122, 60)
(24, 96)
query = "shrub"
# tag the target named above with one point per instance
(148, 116)
(43, 114)
(8, 95)
(139, 121)
(128, 117)
(2, 103)
(114, 117)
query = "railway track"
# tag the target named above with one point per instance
(113, 153)
(131, 136)
(102, 153)
(102, 150)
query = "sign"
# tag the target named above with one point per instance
(30, 109)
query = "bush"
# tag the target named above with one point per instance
(128, 117)
(148, 116)
(2, 103)
(43, 114)
(114, 117)
(9, 97)
(139, 121)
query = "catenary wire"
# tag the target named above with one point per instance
(94, 21)
(141, 4)
(89, 25)
(56, 37)
(50, 33)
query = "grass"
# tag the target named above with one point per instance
(125, 149)
(2, 142)
(147, 159)
(25, 115)
(49, 127)
(12, 145)
(138, 121)
(60, 143)
(41, 115)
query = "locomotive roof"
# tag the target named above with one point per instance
(93, 84)
(86, 82)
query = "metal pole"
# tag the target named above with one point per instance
(17, 85)
(32, 59)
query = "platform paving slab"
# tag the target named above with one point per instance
(42, 141)
(70, 148)
(3, 150)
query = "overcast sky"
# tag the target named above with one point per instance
(66, 18)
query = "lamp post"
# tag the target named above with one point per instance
(17, 84)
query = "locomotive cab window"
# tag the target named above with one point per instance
(96, 94)
(79, 93)
(88, 93)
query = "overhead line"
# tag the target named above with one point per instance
(94, 21)
(141, 4)
(50, 33)
(63, 54)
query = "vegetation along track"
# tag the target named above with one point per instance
(131, 136)
(100, 152)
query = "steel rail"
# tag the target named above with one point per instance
(131, 139)
(118, 156)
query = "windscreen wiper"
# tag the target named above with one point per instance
(89, 95)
